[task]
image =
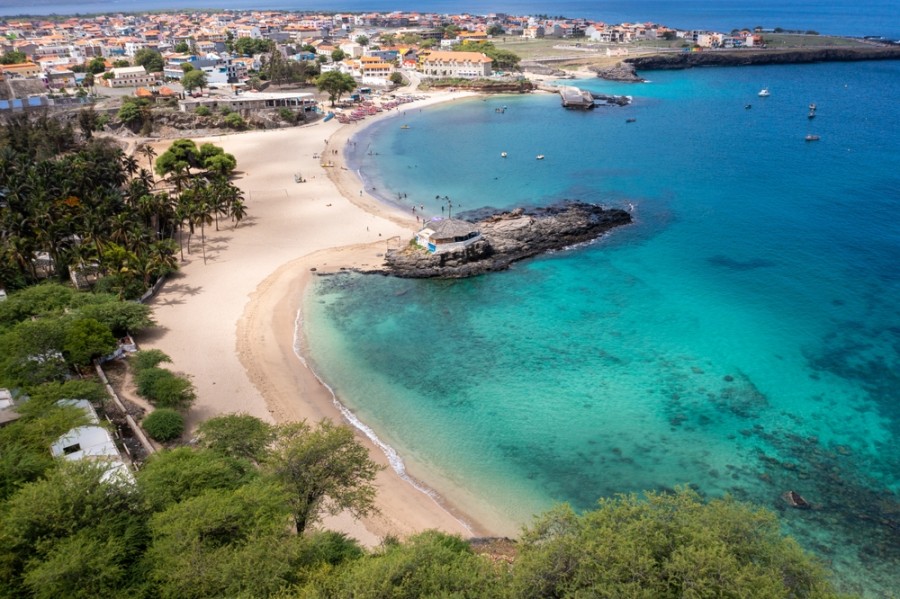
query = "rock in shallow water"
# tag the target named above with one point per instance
(507, 238)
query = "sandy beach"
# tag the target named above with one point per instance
(228, 323)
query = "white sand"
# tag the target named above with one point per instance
(228, 323)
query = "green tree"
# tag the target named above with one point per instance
(120, 318)
(224, 544)
(337, 55)
(87, 339)
(247, 46)
(164, 389)
(237, 435)
(148, 358)
(13, 57)
(194, 79)
(131, 113)
(362, 40)
(182, 47)
(186, 67)
(23, 444)
(202, 111)
(430, 564)
(31, 353)
(179, 158)
(96, 65)
(235, 121)
(396, 78)
(335, 84)
(324, 469)
(179, 474)
(75, 533)
(221, 164)
(149, 59)
(164, 424)
(664, 545)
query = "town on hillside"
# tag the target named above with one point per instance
(69, 61)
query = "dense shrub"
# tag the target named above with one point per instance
(234, 121)
(164, 389)
(203, 111)
(148, 358)
(164, 424)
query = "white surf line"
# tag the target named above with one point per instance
(393, 457)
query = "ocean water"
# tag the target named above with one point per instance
(843, 17)
(742, 336)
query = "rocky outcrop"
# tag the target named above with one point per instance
(621, 71)
(507, 238)
(611, 100)
(748, 57)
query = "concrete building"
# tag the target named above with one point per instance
(91, 442)
(129, 77)
(251, 101)
(447, 234)
(467, 65)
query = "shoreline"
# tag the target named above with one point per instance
(256, 277)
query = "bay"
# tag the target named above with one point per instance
(742, 337)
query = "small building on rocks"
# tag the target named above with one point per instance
(446, 234)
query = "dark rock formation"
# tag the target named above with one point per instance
(747, 57)
(612, 100)
(507, 238)
(621, 71)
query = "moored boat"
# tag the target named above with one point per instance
(811, 137)
(764, 92)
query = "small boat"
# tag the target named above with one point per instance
(404, 126)
(764, 92)
(502, 154)
(811, 138)
(748, 106)
(794, 499)
(540, 156)
(630, 120)
(812, 106)
(811, 115)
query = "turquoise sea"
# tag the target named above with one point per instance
(742, 336)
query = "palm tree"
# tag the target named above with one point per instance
(238, 211)
(160, 259)
(148, 151)
(129, 164)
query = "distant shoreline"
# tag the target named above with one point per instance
(729, 58)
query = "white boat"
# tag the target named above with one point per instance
(540, 156)
(502, 154)
(764, 92)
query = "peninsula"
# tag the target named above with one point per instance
(498, 240)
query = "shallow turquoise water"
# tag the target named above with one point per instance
(742, 336)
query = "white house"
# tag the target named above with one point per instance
(91, 442)
(447, 234)
(456, 64)
(129, 77)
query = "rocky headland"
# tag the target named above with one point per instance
(506, 238)
(627, 69)
(748, 57)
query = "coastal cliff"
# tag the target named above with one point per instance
(507, 238)
(729, 58)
